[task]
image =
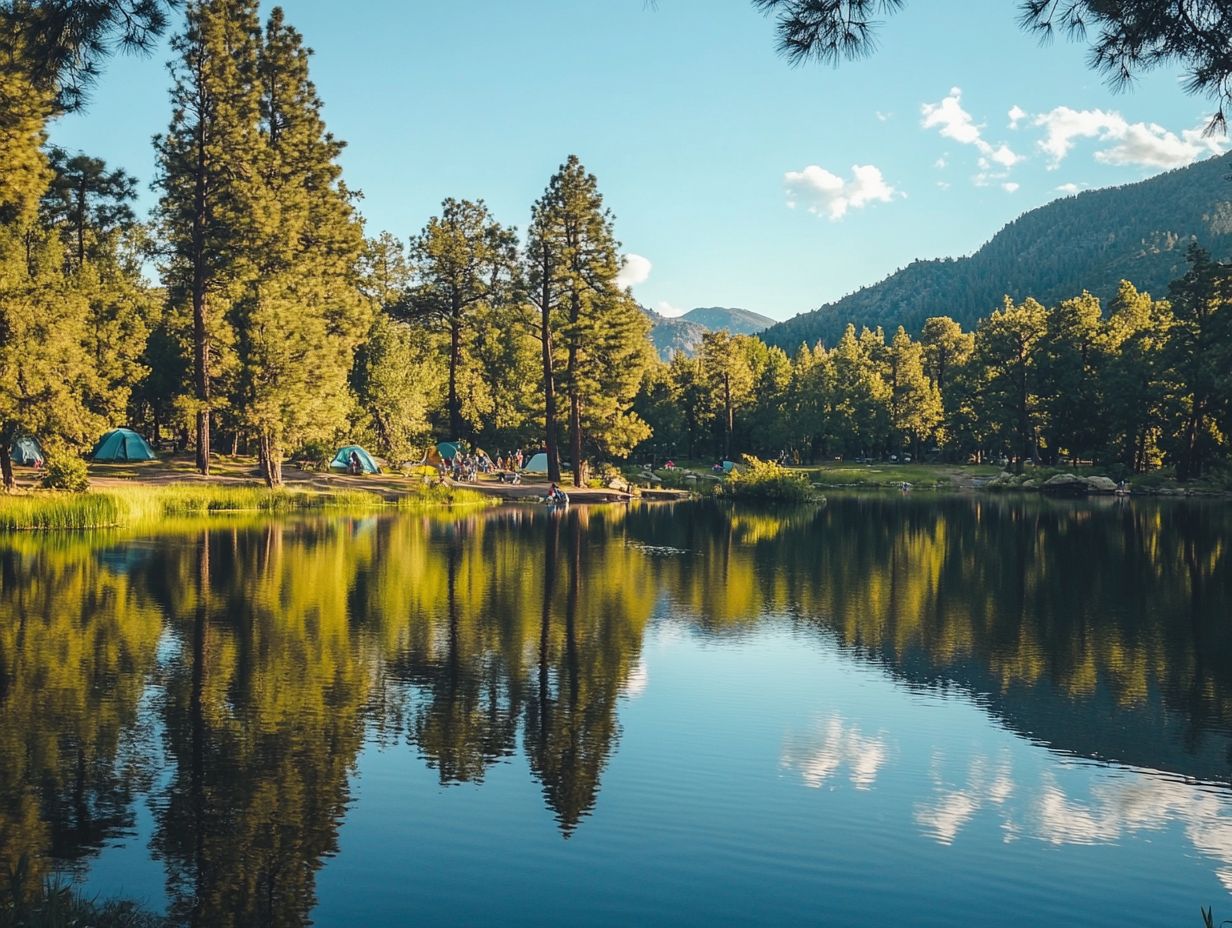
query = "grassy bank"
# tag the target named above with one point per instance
(136, 505)
(435, 496)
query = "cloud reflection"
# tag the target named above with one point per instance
(834, 746)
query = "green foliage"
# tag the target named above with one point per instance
(140, 505)
(1136, 232)
(435, 495)
(766, 481)
(65, 471)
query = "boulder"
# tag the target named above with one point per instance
(1102, 484)
(1066, 485)
(1031, 484)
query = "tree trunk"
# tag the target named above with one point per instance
(6, 468)
(271, 460)
(201, 354)
(575, 439)
(455, 359)
(549, 391)
(729, 419)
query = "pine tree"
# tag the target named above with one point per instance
(44, 365)
(1008, 346)
(465, 260)
(302, 315)
(571, 272)
(915, 401)
(729, 378)
(87, 202)
(210, 180)
(1134, 387)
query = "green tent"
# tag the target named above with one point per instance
(538, 464)
(342, 460)
(448, 450)
(26, 452)
(122, 445)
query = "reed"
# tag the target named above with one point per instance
(433, 496)
(137, 505)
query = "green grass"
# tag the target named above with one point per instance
(432, 496)
(890, 475)
(136, 505)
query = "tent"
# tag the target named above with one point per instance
(26, 452)
(342, 460)
(448, 450)
(538, 464)
(729, 466)
(122, 445)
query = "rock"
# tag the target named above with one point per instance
(1066, 485)
(1102, 484)
(618, 483)
(1031, 484)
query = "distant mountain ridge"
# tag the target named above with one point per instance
(1137, 232)
(683, 334)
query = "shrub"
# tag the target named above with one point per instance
(764, 480)
(314, 456)
(66, 471)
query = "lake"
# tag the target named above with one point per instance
(919, 710)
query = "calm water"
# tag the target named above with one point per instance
(892, 711)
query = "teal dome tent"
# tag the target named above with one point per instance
(122, 445)
(26, 452)
(342, 460)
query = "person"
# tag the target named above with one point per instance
(517, 459)
(556, 495)
(670, 465)
(353, 464)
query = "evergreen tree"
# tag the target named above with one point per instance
(915, 401)
(1134, 385)
(729, 380)
(397, 384)
(1199, 359)
(302, 315)
(210, 177)
(87, 202)
(465, 261)
(571, 274)
(1071, 370)
(1008, 346)
(860, 406)
(44, 364)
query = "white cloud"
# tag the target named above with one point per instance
(943, 185)
(824, 193)
(665, 308)
(1009, 187)
(634, 270)
(883, 117)
(940, 163)
(1138, 143)
(954, 122)
(1017, 114)
(1070, 189)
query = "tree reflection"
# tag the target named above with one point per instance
(273, 648)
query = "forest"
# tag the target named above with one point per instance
(254, 313)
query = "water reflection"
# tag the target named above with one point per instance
(229, 676)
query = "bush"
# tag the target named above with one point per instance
(66, 471)
(764, 480)
(314, 456)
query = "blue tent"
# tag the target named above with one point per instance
(538, 464)
(26, 452)
(448, 450)
(122, 445)
(342, 460)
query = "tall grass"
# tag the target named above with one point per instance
(431, 496)
(138, 505)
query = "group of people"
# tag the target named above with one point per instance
(465, 467)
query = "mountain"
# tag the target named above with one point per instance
(1091, 241)
(736, 321)
(672, 334)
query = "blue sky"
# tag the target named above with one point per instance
(735, 178)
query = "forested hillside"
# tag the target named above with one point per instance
(1090, 241)
(683, 334)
